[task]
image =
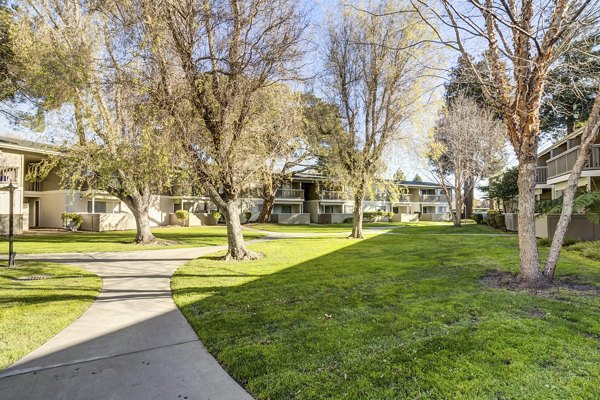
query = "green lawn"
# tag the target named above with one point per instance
(31, 312)
(78, 242)
(394, 317)
(337, 228)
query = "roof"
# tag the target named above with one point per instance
(573, 134)
(418, 183)
(26, 145)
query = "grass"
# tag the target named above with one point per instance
(31, 312)
(589, 250)
(346, 228)
(394, 316)
(78, 242)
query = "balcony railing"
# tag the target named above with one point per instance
(405, 198)
(563, 163)
(336, 195)
(541, 175)
(9, 174)
(33, 186)
(289, 194)
(433, 198)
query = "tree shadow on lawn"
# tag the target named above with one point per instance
(391, 317)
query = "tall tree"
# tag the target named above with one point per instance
(284, 145)
(8, 87)
(372, 69)
(523, 40)
(467, 145)
(571, 89)
(399, 175)
(90, 64)
(228, 54)
(418, 178)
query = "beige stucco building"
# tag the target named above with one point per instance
(306, 198)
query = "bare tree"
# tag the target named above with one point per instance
(521, 41)
(467, 145)
(87, 63)
(372, 70)
(227, 53)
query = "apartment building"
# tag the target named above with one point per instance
(554, 167)
(306, 198)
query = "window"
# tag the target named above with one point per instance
(100, 207)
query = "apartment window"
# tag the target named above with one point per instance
(441, 209)
(282, 209)
(100, 207)
(328, 209)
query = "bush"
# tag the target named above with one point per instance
(589, 250)
(71, 220)
(182, 215)
(216, 214)
(478, 218)
(349, 220)
(500, 221)
(569, 242)
(377, 216)
(544, 242)
(248, 215)
(492, 219)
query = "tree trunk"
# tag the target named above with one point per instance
(468, 198)
(457, 216)
(267, 209)
(357, 215)
(143, 233)
(530, 274)
(237, 249)
(139, 206)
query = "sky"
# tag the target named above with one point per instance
(402, 155)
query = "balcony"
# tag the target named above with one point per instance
(405, 198)
(541, 175)
(9, 174)
(336, 195)
(290, 194)
(433, 198)
(33, 186)
(563, 163)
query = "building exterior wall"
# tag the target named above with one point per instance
(291, 219)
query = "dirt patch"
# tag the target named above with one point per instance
(505, 280)
(536, 313)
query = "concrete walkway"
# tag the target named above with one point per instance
(132, 343)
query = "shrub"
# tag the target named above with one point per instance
(589, 250)
(349, 220)
(216, 214)
(478, 218)
(544, 242)
(500, 221)
(182, 215)
(71, 220)
(492, 219)
(248, 215)
(377, 216)
(570, 241)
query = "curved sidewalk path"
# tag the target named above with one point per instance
(132, 343)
